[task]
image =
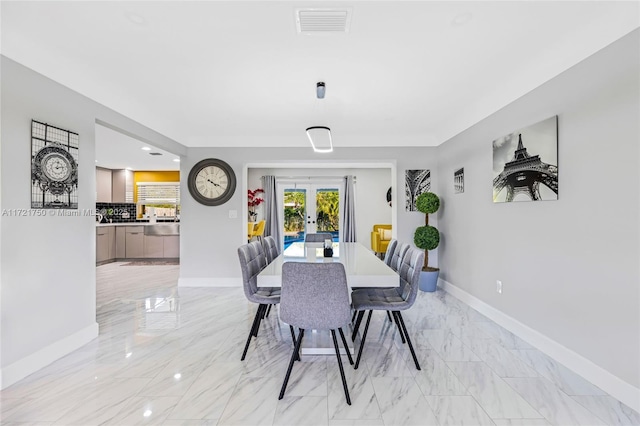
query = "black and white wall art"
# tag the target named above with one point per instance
(54, 167)
(525, 163)
(458, 181)
(416, 182)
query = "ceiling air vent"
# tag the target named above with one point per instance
(155, 153)
(323, 21)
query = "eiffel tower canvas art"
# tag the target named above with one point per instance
(525, 164)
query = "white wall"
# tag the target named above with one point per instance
(570, 268)
(370, 193)
(209, 237)
(47, 277)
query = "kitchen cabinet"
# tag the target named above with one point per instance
(134, 242)
(121, 186)
(153, 246)
(103, 185)
(171, 246)
(121, 252)
(102, 244)
(105, 244)
(114, 186)
(123, 242)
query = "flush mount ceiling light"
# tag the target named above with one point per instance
(320, 138)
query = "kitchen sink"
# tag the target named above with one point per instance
(162, 229)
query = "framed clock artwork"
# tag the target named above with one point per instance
(54, 167)
(211, 182)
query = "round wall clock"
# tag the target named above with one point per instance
(211, 182)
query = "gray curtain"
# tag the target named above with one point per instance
(348, 211)
(272, 227)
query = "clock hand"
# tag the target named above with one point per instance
(209, 180)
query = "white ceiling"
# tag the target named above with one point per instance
(115, 150)
(213, 73)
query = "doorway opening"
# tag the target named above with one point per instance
(310, 209)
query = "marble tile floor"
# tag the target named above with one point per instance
(171, 356)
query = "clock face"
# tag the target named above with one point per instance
(56, 167)
(212, 182)
(53, 165)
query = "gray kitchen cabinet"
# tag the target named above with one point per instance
(103, 185)
(153, 246)
(102, 244)
(171, 246)
(105, 244)
(120, 242)
(111, 236)
(134, 242)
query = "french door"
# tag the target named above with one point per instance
(309, 208)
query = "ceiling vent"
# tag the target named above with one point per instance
(323, 21)
(155, 153)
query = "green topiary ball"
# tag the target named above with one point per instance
(426, 237)
(428, 202)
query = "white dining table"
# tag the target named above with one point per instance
(362, 267)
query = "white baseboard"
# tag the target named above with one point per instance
(45, 356)
(210, 282)
(613, 385)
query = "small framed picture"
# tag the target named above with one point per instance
(458, 181)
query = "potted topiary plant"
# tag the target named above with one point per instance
(427, 238)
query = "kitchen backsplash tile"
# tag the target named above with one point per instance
(117, 212)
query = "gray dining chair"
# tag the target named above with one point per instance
(394, 300)
(252, 261)
(315, 296)
(392, 258)
(317, 238)
(270, 248)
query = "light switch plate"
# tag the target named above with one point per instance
(233, 214)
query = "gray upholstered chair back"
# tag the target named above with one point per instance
(409, 271)
(398, 254)
(317, 238)
(389, 253)
(252, 261)
(257, 247)
(271, 248)
(314, 296)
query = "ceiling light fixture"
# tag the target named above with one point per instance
(320, 136)
(145, 148)
(320, 90)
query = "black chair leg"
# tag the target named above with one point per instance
(293, 359)
(346, 348)
(344, 380)
(268, 310)
(389, 316)
(404, 328)
(251, 333)
(364, 337)
(293, 339)
(398, 326)
(353, 317)
(357, 326)
(261, 309)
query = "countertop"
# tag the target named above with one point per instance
(99, 225)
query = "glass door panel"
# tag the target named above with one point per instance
(295, 214)
(310, 209)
